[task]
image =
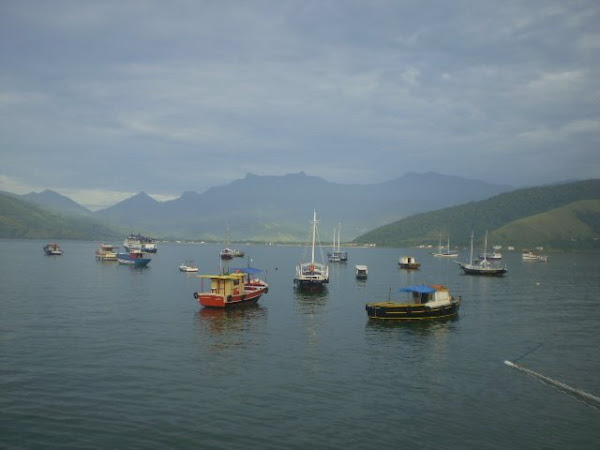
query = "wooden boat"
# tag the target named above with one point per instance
(312, 275)
(234, 288)
(362, 272)
(52, 249)
(106, 252)
(423, 302)
(188, 266)
(408, 262)
(483, 266)
(133, 258)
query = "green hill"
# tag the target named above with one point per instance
(22, 219)
(552, 216)
(576, 225)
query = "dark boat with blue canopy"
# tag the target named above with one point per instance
(423, 302)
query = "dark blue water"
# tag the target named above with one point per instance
(97, 355)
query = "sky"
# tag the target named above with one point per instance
(100, 100)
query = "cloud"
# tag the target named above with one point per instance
(193, 94)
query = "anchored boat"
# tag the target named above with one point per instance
(362, 272)
(106, 252)
(423, 302)
(52, 249)
(483, 266)
(312, 275)
(234, 288)
(133, 258)
(408, 262)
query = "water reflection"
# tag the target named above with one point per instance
(416, 327)
(311, 302)
(230, 327)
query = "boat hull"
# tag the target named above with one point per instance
(487, 271)
(251, 295)
(106, 257)
(310, 284)
(392, 311)
(127, 260)
(52, 250)
(410, 266)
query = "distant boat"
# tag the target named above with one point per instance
(528, 255)
(483, 266)
(133, 258)
(445, 253)
(237, 287)
(336, 254)
(228, 252)
(423, 302)
(408, 262)
(188, 266)
(52, 249)
(362, 272)
(106, 252)
(312, 275)
(139, 242)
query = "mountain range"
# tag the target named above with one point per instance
(279, 208)
(411, 210)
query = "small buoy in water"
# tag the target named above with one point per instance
(538, 283)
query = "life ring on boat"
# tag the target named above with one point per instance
(196, 295)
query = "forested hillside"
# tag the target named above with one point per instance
(504, 215)
(22, 219)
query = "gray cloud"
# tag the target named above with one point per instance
(169, 97)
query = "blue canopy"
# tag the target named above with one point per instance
(249, 270)
(420, 289)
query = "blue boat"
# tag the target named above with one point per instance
(133, 258)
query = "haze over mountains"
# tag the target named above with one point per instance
(279, 208)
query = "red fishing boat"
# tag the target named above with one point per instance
(234, 288)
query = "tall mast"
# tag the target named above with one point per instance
(485, 246)
(471, 260)
(314, 236)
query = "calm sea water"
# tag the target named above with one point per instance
(97, 355)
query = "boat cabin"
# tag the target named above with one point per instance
(362, 271)
(427, 294)
(226, 285)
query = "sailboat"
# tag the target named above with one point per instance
(445, 253)
(228, 252)
(312, 275)
(336, 254)
(483, 267)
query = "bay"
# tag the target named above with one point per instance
(97, 355)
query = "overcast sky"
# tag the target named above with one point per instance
(100, 100)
